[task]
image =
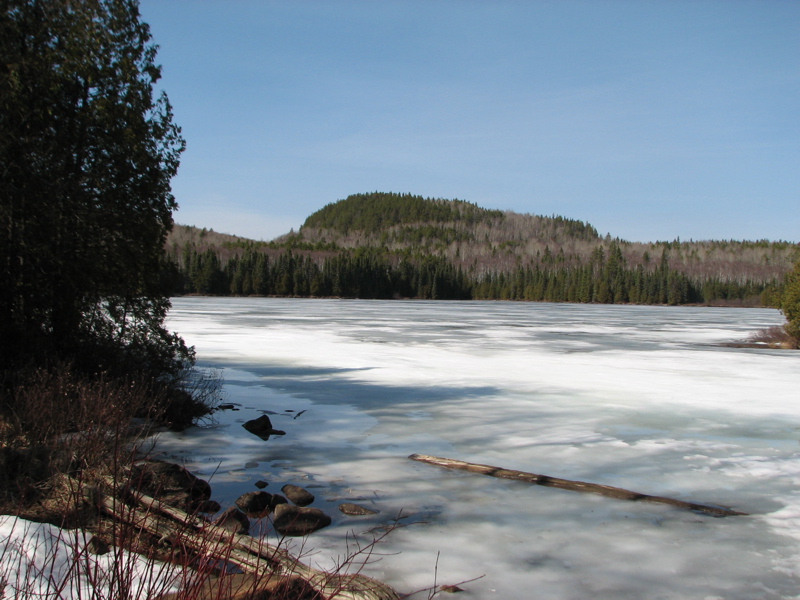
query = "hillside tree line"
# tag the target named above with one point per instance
(374, 273)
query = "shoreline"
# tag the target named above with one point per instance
(468, 300)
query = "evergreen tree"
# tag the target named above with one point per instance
(790, 303)
(86, 157)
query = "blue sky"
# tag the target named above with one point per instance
(650, 119)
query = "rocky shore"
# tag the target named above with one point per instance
(162, 513)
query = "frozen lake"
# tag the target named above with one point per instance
(636, 397)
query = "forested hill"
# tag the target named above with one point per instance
(405, 221)
(401, 245)
(378, 211)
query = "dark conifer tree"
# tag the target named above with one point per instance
(790, 303)
(87, 152)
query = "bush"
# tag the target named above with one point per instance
(775, 337)
(790, 304)
(61, 421)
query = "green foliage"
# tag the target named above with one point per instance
(381, 218)
(574, 228)
(375, 211)
(604, 281)
(86, 156)
(790, 303)
(363, 273)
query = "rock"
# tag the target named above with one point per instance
(227, 407)
(298, 521)
(261, 484)
(234, 521)
(298, 495)
(276, 500)
(259, 504)
(208, 507)
(354, 510)
(255, 504)
(262, 427)
(170, 483)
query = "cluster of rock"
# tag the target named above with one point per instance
(295, 519)
(291, 513)
(160, 501)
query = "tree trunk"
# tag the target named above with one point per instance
(575, 486)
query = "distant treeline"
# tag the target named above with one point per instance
(354, 274)
(389, 245)
(375, 273)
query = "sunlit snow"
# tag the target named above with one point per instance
(644, 398)
(41, 561)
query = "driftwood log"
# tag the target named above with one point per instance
(250, 554)
(575, 486)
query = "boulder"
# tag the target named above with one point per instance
(234, 521)
(170, 483)
(276, 500)
(298, 495)
(261, 484)
(259, 504)
(209, 507)
(298, 521)
(255, 504)
(262, 427)
(355, 510)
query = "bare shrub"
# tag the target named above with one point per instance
(775, 337)
(59, 421)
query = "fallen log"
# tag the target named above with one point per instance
(250, 554)
(575, 486)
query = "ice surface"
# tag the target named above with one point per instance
(638, 397)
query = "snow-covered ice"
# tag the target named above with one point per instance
(638, 397)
